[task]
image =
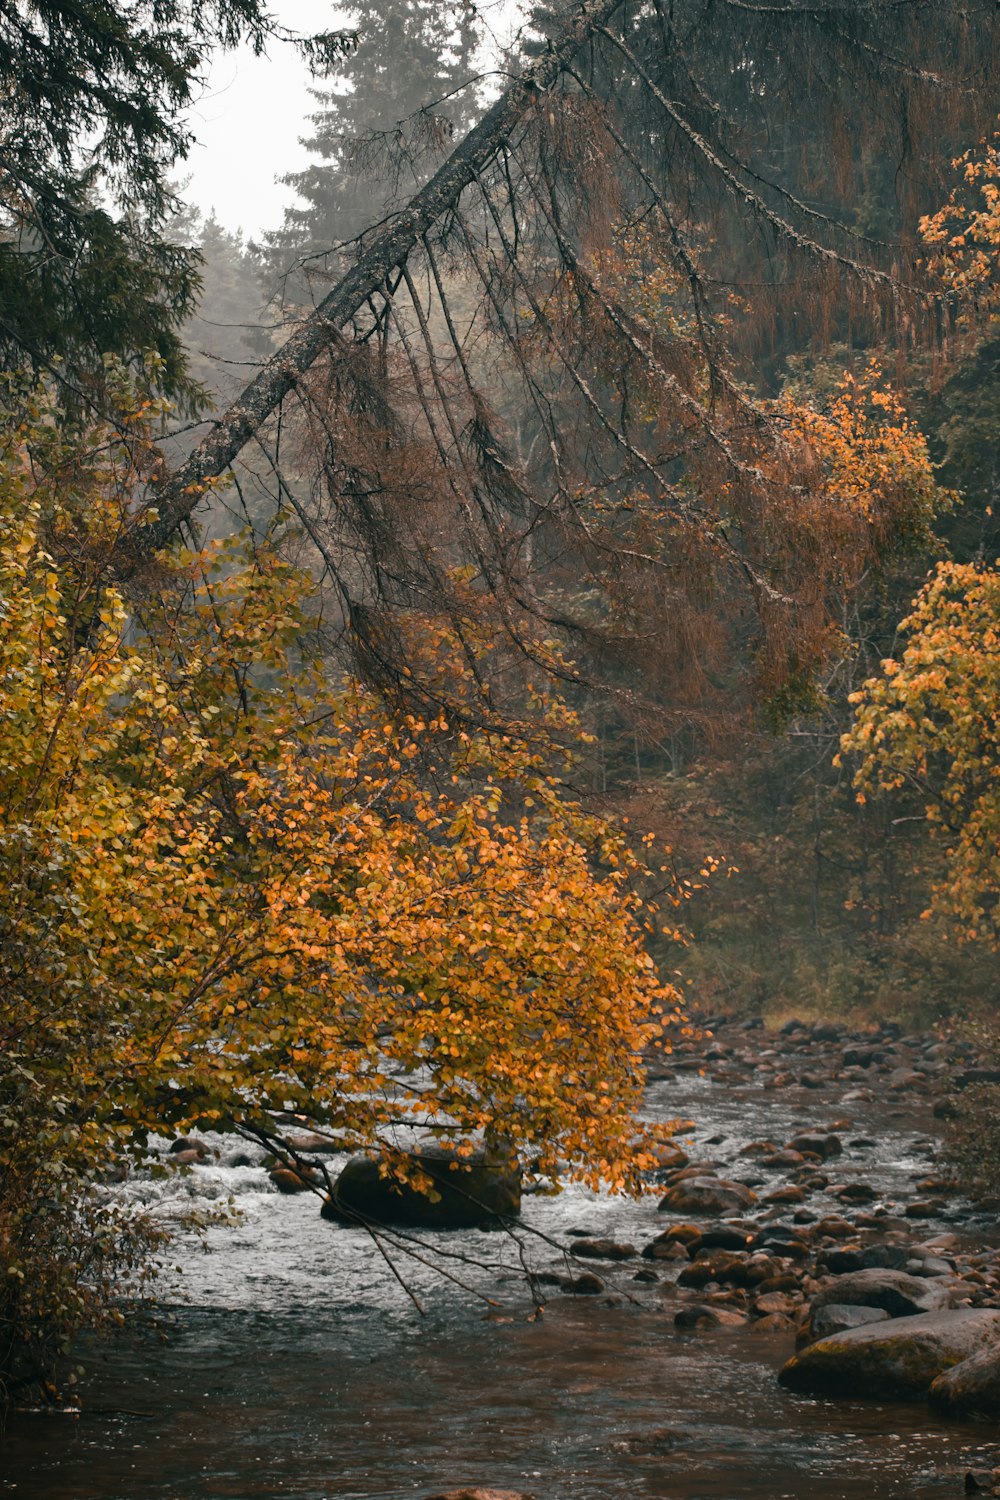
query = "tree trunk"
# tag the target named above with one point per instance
(385, 249)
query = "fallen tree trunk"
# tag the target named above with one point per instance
(385, 250)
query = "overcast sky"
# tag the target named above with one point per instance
(247, 124)
(248, 121)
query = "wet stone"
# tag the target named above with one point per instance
(665, 1248)
(894, 1360)
(837, 1317)
(970, 1388)
(895, 1292)
(823, 1145)
(288, 1181)
(706, 1195)
(724, 1237)
(788, 1194)
(604, 1249)
(587, 1285)
(702, 1315)
(854, 1192)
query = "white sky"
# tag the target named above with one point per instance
(248, 121)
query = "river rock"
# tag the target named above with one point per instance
(779, 1160)
(706, 1195)
(722, 1237)
(689, 1235)
(603, 1250)
(787, 1194)
(895, 1292)
(773, 1323)
(777, 1239)
(854, 1192)
(311, 1143)
(823, 1145)
(480, 1494)
(470, 1191)
(181, 1158)
(769, 1303)
(971, 1388)
(185, 1143)
(861, 1057)
(586, 1285)
(724, 1267)
(894, 1361)
(863, 1258)
(700, 1315)
(286, 1180)
(668, 1157)
(664, 1248)
(930, 1265)
(838, 1317)
(758, 1148)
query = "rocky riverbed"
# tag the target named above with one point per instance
(602, 1347)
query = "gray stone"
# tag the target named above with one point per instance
(823, 1145)
(970, 1389)
(895, 1361)
(837, 1317)
(895, 1292)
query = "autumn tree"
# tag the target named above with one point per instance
(930, 720)
(232, 887)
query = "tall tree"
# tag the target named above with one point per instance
(382, 125)
(94, 107)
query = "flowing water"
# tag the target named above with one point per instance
(290, 1360)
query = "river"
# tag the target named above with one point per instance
(291, 1362)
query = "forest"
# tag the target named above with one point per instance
(532, 609)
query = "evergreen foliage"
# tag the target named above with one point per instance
(395, 108)
(94, 99)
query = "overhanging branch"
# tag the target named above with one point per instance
(386, 249)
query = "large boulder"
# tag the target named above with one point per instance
(706, 1196)
(898, 1294)
(897, 1360)
(466, 1191)
(970, 1389)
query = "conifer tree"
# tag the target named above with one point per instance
(380, 129)
(93, 102)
